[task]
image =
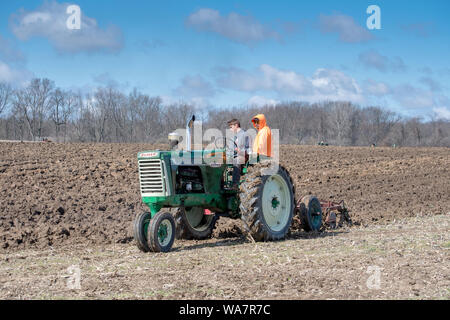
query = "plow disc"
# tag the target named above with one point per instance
(334, 214)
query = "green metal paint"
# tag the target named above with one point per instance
(316, 217)
(316, 220)
(214, 202)
(154, 208)
(162, 233)
(275, 202)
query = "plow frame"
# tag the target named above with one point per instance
(332, 209)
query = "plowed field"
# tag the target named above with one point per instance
(81, 199)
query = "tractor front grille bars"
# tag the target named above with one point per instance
(151, 177)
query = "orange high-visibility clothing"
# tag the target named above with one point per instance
(263, 140)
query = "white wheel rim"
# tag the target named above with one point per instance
(276, 202)
(168, 226)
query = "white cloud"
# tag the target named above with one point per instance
(266, 78)
(420, 29)
(195, 90)
(345, 26)
(14, 76)
(374, 60)
(105, 79)
(324, 84)
(375, 88)
(284, 80)
(197, 102)
(9, 52)
(194, 86)
(432, 84)
(409, 96)
(333, 84)
(442, 113)
(261, 101)
(236, 27)
(49, 21)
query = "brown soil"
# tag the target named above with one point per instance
(407, 259)
(58, 194)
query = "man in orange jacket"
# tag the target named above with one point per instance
(263, 140)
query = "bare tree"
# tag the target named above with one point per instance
(62, 103)
(341, 119)
(6, 92)
(377, 123)
(109, 115)
(40, 90)
(32, 104)
(83, 121)
(22, 112)
(320, 131)
(58, 99)
(414, 126)
(148, 117)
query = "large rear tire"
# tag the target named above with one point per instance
(267, 202)
(192, 223)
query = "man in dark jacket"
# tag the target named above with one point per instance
(241, 147)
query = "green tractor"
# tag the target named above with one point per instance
(200, 191)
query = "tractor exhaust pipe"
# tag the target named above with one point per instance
(189, 125)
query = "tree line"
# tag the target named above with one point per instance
(42, 110)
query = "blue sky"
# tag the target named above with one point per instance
(231, 53)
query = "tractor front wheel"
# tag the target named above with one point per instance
(161, 232)
(140, 227)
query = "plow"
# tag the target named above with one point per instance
(197, 185)
(333, 214)
(332, 210)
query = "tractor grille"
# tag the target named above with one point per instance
(151, 176)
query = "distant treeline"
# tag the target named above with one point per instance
(42, 110)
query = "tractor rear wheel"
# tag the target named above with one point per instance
(267, 202)
(161, 232)
(310, 213)
(193, 223)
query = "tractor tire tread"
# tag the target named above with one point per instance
(250, 192)
(139, 234)
(183, 232)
